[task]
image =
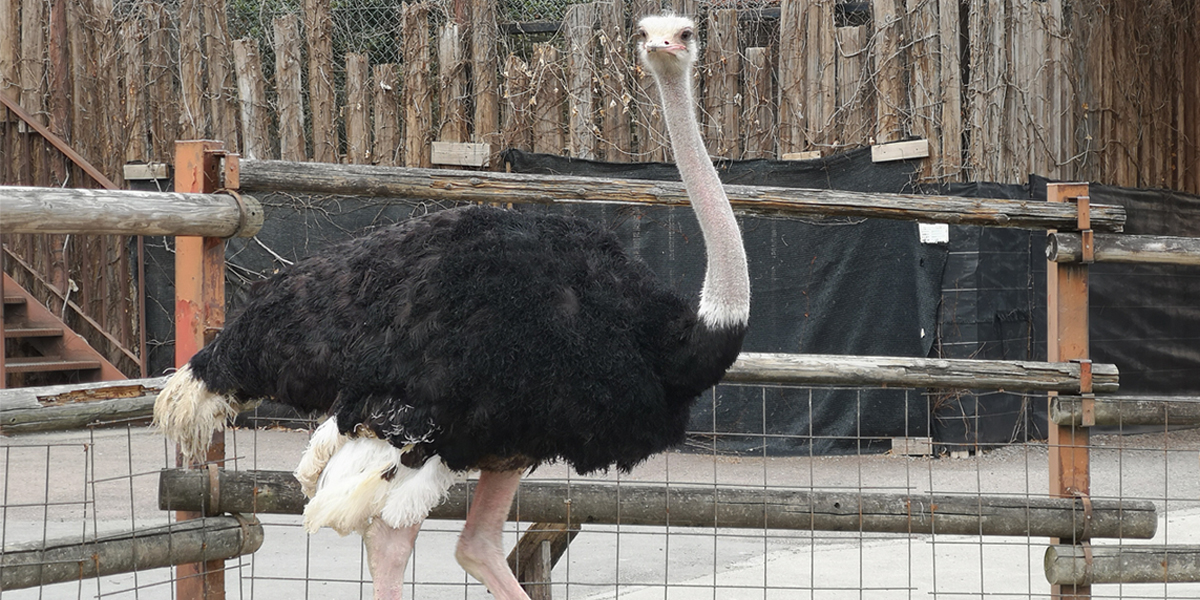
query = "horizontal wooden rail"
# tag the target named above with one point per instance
(1068, 565)
(1127, 410)
(71, 559)
(683, 506)
(122, 212)
(73, 406)
(477, 186)
(815, 369)
(1134, 249)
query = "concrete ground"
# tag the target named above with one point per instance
(64, 484)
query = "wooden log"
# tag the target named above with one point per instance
(72, 559)
(536, 553)
(252, 98)
(854, 107)
(821, 61)
(63, 407)
(580, 23)
(418, 106)
(32, 62)
(10, 44)
(1068, 411)
(118, 212)
(357, 111)
(289, 87)
(1133, 249)
(553, 189)
(758, 114)
(722, 97)
(924, 89)
(549, 99)
(951, 131)
(577, 503)
(484, 70)
(1127, 563)
(452, 85)
(819, 369)
(386, 102)
(318, 31)
(192, 124)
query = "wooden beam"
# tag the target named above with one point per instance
(577, 503)
(28, 410)
(1134, 249)
(829, 369)
(1067, 411)
(74, 558)
(462, 186)
(59, 143)
(122, 212)
(1127, 563)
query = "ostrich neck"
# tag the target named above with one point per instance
(725, 296)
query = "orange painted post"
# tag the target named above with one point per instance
(1067, 340)
(199, 315)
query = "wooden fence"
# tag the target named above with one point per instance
(1104, 90)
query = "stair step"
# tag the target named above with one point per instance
(14, 300)
(32, 331)
(43, 364)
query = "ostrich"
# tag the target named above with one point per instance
(478, 339)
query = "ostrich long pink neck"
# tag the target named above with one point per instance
(725, 297)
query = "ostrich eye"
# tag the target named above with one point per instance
(641, 33)
(685, 35)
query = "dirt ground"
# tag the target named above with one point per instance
(68, 484)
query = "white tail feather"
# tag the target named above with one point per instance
(323, 444)
(364, 479)
(188, 413)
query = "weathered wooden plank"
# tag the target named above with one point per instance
(545, 189)
(1136, 249)
(74, 558)
(900, 151)
(578, 503)
(1126, 563)
(516, 126)
(580, 23)
(32, 63)
(418, 104)
(318, 31)
(1068, 411)
(464, 154)
(616, 75)
(10, 43)
(192, 124)
(252, 98)
(163, 110)
(54, 395)
(136, 140)
(856, 112)
(950, 63)
(386, 102)
(924, 87)
(222, 89)
(792, 76)
(289, 87)
(96, 211)
(357, 110)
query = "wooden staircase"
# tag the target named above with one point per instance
(39, 349)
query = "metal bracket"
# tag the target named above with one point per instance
(214, 491)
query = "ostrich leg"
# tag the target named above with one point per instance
(388, 550)
(480, 551)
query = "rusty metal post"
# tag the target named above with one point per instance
(199, 315)
(1067, 340)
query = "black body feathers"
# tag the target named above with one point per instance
(493, 338)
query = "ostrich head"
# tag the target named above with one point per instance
(667, 44)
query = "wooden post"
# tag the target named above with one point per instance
(222, 95)
(615, 79)
(517, 126)
(253, 99)
(452, 84)
(199, 315)
(951, 80)
(484, 33)
(191, 71)
(160, 82)
(357, 111)
(722, 66)
(792, 80)
(549, 94)
(889, 72)
(925, 81)
(289, 87)
(318, 30)
(387, 110)
(758, 118)
(136, 144)
(1067, 339)
(580, 23)
(418, 107)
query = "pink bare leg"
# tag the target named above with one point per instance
(388, 550)
(480, 551)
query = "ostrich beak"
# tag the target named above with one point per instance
(664, 46)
